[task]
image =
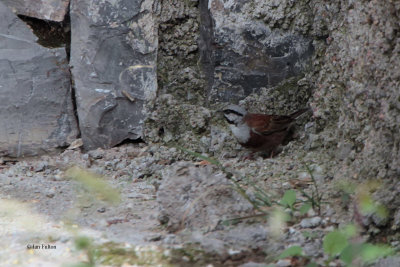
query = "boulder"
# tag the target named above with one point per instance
(197, 198)
(245, 54)
(36, 111)
(113, 58)
(42, 9)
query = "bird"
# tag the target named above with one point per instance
(261, 132)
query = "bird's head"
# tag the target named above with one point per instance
(234, 114)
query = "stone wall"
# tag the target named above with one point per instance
(160, 72)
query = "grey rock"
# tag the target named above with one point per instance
(96, 154)
(243, 54)
(390, 261)
(101, 210)
(283, 263)
(253, 264)
(41, 166)
(313, 141)
(113, 55)
(51, 193)
(36, 113)
(396, 220)
(343, 150)
(42, 9)
(310, 222)
(191, 197)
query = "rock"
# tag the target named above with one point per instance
(113, 55)
(42, 9)
(51, 193)
(101, 210)
(252, 264)
(390, 261)
(283, 263)
(310, 222)
(191, 197)
(96, 154)
(76, 144)
(343, 150)
(396, 220)
(41, 166)
(242, 54)
(36, 112)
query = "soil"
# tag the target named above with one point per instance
(52, 218)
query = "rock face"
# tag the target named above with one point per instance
(36, 113)
(197, 198)
(357, 100)
(246, 54)
(113, 55)
(42, 9)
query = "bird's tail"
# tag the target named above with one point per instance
(299, 112)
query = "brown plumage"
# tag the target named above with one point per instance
(261, 132)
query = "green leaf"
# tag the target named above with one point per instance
(334, 243)
(381, 211)
(291, 251)
(370, 252)
(305, 208)
(82, 242)
(349, 253)
(312, 264)
(289, 198)
(367, 204)
(349, 231)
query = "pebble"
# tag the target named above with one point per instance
(101, 210)
(41, 166)
(51, 193)
(283, 263)
(310, 222)
(10, 173)
(96, 154)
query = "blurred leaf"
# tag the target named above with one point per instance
(95, 184)
(277, 221)
(349, 253)
(334, 243)
(81, 264)
(367, 205)
(305, 208)
(349, 230)
(370, 252)
(82, 242)
(291, 251)
(312, 264)
(381, 211)
(289, 198)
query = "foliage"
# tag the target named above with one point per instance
(94, 184)
(334, 243)
(289, 198)
(291, 251)
(339, 242)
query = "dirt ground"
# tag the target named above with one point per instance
(50, 217)
(41, 206)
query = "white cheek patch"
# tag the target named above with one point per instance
(241, 132)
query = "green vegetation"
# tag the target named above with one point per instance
(344, 244)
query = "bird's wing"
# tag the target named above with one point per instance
(267, 124)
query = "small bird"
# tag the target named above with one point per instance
(261, 132)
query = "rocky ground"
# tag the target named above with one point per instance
(172, 208)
